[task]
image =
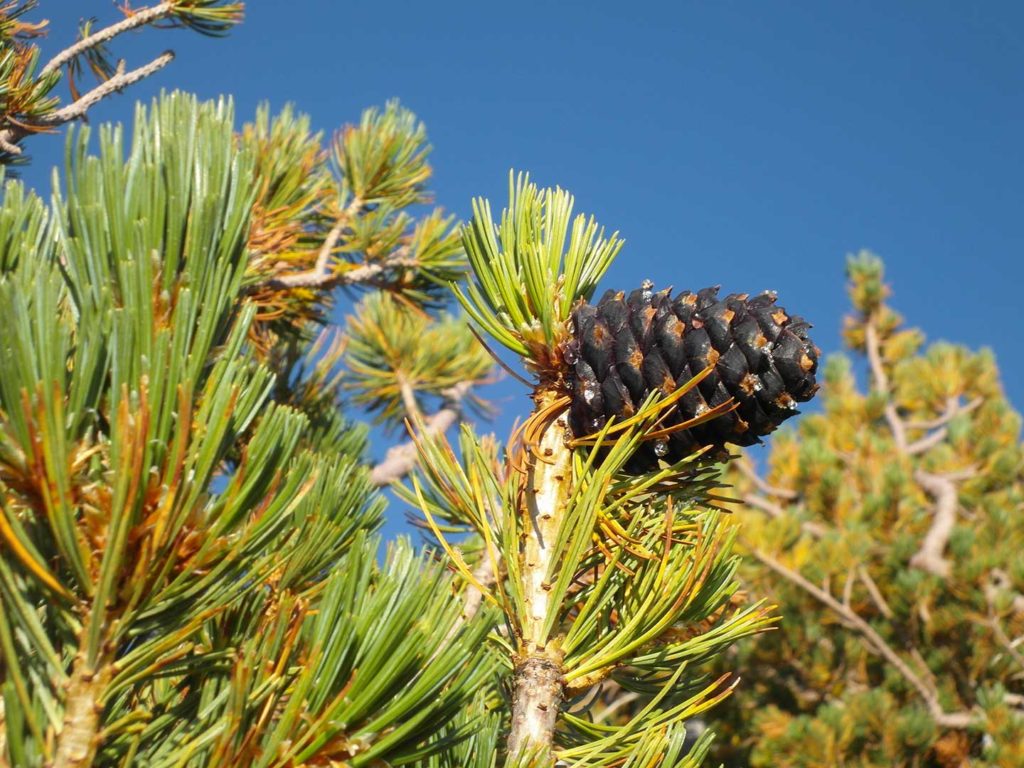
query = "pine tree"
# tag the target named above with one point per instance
(887, 529)
(189, 571)
(188, 553)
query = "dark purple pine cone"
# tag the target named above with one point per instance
(626, 347)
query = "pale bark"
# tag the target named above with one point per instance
(538, 682)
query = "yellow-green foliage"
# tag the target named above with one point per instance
(846, 502)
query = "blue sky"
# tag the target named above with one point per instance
(750, 144)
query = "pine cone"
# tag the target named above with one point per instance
(625, 348)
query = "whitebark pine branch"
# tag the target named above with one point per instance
(773, 510)
(78, 740)
(880, 383)
(953, 409)
(320, 275)
(134, 20)
(10, 135)
(930, 555)
(538, 681)
(927, 693)
(117, 82)
(401, 459)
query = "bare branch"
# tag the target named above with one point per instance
(929, 557)
(538, 683)
(747, 470)
(927, 442)
(848, 586)
(412, 408)
(116, 83)
(953, 409)
(770, 508)
(77, 109)
(1014, 700)
(1004, 640)
(79, 737)
(320, 275)
(880, 383)
(6, 145)
(927, 693)
(486, 577)
(873, 346)
(400, 459)
(138, 18)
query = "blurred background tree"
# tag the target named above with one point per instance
(887, 529)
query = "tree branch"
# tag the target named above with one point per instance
(319, 273)
(927, 442)
(872, 344)
(929, 557)
(880, 383)
(78, 739)
(875, 592)
(412, 408)
(486, 577)
(400, 459)
(538, 683)
(322, 276)
(927, 693)
(77, 109)
(137, 19)
(953, 409)
(1002, 638)
(118, 82)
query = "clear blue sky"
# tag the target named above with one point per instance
(751, 144)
